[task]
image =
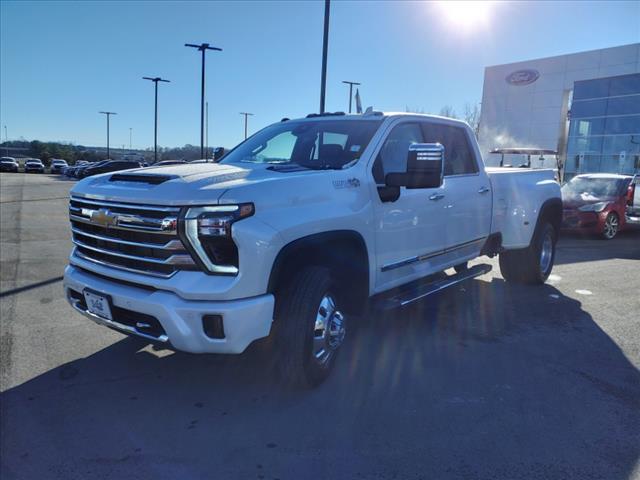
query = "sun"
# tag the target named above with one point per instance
(466, 14)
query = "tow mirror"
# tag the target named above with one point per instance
(425, 167)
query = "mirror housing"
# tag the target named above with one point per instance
(218, 153)
(425, 167)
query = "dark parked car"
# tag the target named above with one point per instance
(33, 165)
(596, 203)
(8, 164)
(108, 166)
(58, 165)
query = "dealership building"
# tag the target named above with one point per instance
(585, 106)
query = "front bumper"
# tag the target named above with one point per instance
(244, 320)
(583, 221)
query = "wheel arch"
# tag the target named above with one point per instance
(344, 252)
(551, 211)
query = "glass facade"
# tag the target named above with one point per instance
(604, 128)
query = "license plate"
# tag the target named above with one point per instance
(98, 304)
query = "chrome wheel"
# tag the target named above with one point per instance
(611, 226)
(329, 330)
(546, 252)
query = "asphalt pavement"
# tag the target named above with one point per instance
(483, 381)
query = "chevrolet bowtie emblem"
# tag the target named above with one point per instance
(104, 217)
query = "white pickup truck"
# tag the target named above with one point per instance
(298, 228)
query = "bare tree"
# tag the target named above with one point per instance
(448, 111)
(413, 110)
(472, 116)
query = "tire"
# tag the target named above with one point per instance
(611, 226)
(308, 340)
(531, 265)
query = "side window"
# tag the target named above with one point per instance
(458, 155)
(393, 155)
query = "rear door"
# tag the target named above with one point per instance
(467, 189)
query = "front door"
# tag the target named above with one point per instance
(410, 231)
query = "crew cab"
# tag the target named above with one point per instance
(298, 228)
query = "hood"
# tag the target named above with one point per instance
(576, 201)
(184, 184)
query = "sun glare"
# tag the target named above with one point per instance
(466, 14)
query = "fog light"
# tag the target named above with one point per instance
(213, 326)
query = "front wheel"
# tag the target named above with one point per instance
(611, 226)
(310, 327)
(533, 264)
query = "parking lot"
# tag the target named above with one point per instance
(485, 380)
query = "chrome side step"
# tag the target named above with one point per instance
(414, 292)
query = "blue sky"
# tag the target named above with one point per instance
(62, 62)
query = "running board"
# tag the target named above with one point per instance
(415, 292)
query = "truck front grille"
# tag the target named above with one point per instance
(136, 238)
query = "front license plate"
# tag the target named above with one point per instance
(98, 304)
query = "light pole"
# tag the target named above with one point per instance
(325, 47)
(246, 114)
(6, 139)
(206, 106)
(203, 47)
(351, 84)
(130, 136)
(155, 81)
(108, 114)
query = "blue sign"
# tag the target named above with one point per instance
(522, 77)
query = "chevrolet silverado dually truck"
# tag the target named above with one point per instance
(297, 229)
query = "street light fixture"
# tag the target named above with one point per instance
(351, 84)
(246, 114)
(203, 47)
(108, 114)
(155, 81)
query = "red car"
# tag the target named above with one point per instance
(595, 203)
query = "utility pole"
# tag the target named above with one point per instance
(6, 139)
(108, 114)
(207, 130)
(351, 84)
(203, 47)
(130, 136)
(246, 114)
(155, 81)
(325, 47)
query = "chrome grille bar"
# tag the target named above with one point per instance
(172, 260)
(109, 204)
(173, 245)
(120, 267)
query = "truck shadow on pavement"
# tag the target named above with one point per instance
(477, 382)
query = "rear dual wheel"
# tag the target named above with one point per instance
(533, 264)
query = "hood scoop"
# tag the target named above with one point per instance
(141, 178)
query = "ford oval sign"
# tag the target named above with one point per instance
(522, 77)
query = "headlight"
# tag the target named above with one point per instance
(208, 231)
(594, 207)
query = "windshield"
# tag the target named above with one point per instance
(310, 144)
(594, 187)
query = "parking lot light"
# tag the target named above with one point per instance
(155, 81)
(203, 47)
(108, 114)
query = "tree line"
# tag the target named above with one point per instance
(45, 151)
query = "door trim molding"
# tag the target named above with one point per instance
(426, 256)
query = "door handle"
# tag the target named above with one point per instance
(483, 189)
(436, 196)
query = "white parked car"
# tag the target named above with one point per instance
(33, 165)
(297, 229)
(58, 165)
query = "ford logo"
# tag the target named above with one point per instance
(522, 77)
